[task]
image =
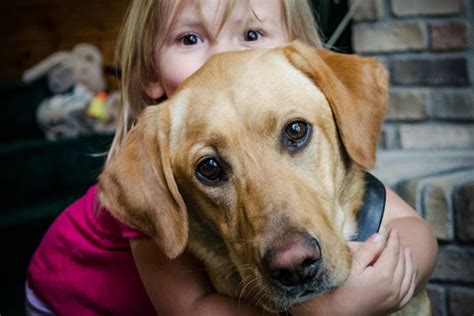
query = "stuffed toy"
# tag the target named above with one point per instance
(83, 64)
(80, 105)
(77, 113)
(65, 115)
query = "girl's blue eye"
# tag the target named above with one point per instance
(189, 39)
(251, 35)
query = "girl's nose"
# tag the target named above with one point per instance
(220, 47)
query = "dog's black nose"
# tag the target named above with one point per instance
(293, 260)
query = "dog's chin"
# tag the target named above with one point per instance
(281, 299)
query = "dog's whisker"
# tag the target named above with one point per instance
(256, 293)
(243, 284)
(239, 298)
(246, 267)
(229, 274)
(241, 270)
(248, 284)
(260, 297)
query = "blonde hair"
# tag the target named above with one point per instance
(146, 25)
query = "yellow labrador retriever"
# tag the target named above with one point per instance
(256, 166)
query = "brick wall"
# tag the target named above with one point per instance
(32, 30)
(427, 144)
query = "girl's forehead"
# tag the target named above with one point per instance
(215, 13)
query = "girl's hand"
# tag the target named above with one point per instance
(381, 281)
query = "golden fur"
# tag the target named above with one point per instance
(236, 108)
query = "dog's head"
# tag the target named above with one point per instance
(256, 164)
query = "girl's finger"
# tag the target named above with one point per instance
(366, 253)
(411, 281)
(409, 272)
(389, 257)
(399, 274)
(408, 296)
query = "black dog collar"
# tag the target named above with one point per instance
(370, 215)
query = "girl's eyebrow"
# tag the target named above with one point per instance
(253, 18)
(188, 19)
(189, 24)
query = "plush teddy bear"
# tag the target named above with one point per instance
(83, 64)
(80, 105)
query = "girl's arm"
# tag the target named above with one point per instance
(415, 234)
(181, 286)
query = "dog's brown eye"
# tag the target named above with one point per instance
(296, 134)
(210, 172)
(296, 131)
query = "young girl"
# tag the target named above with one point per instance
(90, 264)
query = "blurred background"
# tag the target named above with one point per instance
(58, 92)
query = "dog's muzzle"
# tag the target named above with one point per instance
(293, 261)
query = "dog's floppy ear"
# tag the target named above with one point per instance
(356, 89)
(138, 186)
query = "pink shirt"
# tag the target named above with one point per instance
(84, 265)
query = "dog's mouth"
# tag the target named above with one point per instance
(306, 295)
(280, 299)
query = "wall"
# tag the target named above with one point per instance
(32, 30)
(427, 145)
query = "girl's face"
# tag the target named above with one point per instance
(198, 33)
